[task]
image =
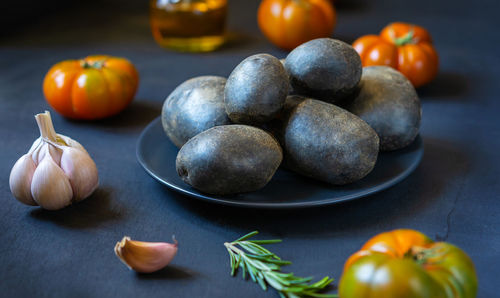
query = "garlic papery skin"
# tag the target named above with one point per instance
(20, 179)
(81, 171)
(55, 172)
(145, 257)
(50, 186)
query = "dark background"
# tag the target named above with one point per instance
(453, 195)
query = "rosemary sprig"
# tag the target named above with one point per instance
(264, 268)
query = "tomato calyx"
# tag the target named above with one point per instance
(97, 64)
(404, 40)
(421, 255)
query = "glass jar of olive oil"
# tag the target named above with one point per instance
(188, 25)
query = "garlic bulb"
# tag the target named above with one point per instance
(145, 257)
(55, 172)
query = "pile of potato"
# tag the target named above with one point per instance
(318, 112)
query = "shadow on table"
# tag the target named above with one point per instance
(446, 85)
(137, 115)
(169, 272)
(443, 161)
(89, 213)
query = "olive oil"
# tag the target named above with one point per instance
(188, 25)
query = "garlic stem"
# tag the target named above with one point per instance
(46, 127)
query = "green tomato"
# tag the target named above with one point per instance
(406, 263)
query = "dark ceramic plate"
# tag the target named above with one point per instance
(157, 155)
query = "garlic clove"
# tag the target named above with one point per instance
(20, 179)
(81, 171)
(47, 149)
(145, 257)
(50, 187)
(38, 152)
(70, 142)
(37, 143)
(55, 153)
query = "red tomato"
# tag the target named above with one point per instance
(91, 88)
(405, 47)
(290, 23)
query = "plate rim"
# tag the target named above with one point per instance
(292, 205)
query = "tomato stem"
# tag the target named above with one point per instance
(407, 39)
(421, 254)
(98, 64)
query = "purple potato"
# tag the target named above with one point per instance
(256, 90)
(388, 102)
(326, 142)
(326, 69)
(275, 126)
(194, 106)
(229, 159)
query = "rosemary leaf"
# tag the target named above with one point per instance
(272, 241)
(251, 234)
(264, 268)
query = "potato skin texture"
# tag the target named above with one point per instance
(326, 69)
(327, 143)
(388, 102)
(194, 106)
(290, 88)
(229, 159)
(256, 90)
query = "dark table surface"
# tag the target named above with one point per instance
(453, 195)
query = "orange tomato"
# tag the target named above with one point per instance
(290, 23)
(405, 47)
(406, 263)
(91, 88)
